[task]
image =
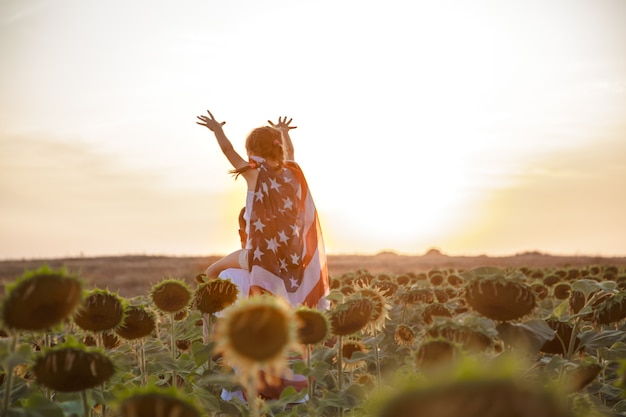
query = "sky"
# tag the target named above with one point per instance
(470, 126)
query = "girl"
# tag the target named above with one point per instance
(284, 251)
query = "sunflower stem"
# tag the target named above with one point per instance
(83, 396)
(8, 383)
(380, 380)
(209, 337)
(173, 345)
(253, 403)
(308, 367)
(340, 368)
(142, 361)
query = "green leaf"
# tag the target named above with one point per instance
(608, 286)
(72, 408)
(594, 339)
(201, 353)
(37, 406)
(21, 355)
(586, 286)
(561, 311)
(529, 336)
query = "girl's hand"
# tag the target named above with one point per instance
(210, 122)
(283, 124)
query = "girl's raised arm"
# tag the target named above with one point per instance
(227, 148)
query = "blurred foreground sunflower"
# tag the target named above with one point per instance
(257, 333)
(71, 368)
(153, 402)
(488, 397)
(40, 300)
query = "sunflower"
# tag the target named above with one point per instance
(152, 402)
(314, 326)
(350, 316)
(499, 296)
(100, 311)
(171, 295)
(257, 333)
(417, 294)
(611, 309)
(435, 309)
(562, 290)
(348, 348)
(380, 308)
(404, 336)
(436, 353)
(469, 337)
(540, 290)
(40, 300)
(139, 322)
(477, 397)
(70, 368)
(215, 295)
(582, 375)
(386, 287)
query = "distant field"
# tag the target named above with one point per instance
(134, 275)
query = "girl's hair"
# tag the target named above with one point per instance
(265, 142)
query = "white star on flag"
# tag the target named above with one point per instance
(295, 258)
(258, 253)
(274, 185)
(283, 264)
(272, 244)
(283, 236)
(264, 186)
(288, 203)
(295, 230)
(258, 196)
(258, 225)
(293, 282)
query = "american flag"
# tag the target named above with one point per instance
(287, 256)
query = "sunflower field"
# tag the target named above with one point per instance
(488, 341)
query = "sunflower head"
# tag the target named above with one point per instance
(348, 349)
(101, 310)
(171, 295)
(350, 316)
(435, 309)
(500, 296)
(71, 367)
(417, 294)
(404, 335)
(487, 396)
(40, 300)
(314, 326)
(562, 290)
(256, 333)
(385, 286)
(156, 402)
(215, 295)
(471, 337)
(139, 322)
(380, 308)
(611, 309)
(436, 353)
